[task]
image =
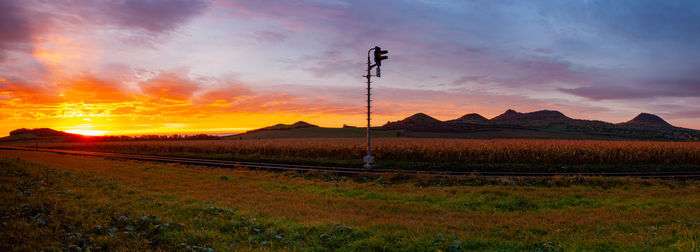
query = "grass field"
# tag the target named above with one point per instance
(53, 201)
(436, 154)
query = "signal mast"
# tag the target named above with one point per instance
(379, 55)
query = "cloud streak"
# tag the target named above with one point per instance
(156, 16)
(18, 27)
(648, 89)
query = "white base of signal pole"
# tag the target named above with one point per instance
(368, 161)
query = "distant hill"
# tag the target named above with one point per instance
(42, 134)
(538, 119)
(472, 118)
(39, 132)
(296, 125)
(647, 120)
(542, 124)
(418, 122)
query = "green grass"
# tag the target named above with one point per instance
(54, 210)
(55, 201)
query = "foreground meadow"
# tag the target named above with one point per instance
(53, 201)
(435, 154)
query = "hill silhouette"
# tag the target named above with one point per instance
(418, 122)
(537, 117)
(544, 124)
(44, 134)
(470, 118)
(647, 120)
(296, 125)
(39, 132)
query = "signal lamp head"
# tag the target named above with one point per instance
(379, 55)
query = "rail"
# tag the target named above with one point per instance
(358, 171)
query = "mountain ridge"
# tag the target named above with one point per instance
(643, 126)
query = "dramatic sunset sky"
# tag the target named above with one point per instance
(209, 66)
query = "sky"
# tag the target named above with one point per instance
(129, 67)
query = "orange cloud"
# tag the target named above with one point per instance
(91, 89)
(224, 96)
(19, 91)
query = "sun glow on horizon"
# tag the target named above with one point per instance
(88, 132)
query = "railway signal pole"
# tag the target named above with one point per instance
(379, 55)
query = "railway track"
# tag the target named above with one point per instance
(357, 171)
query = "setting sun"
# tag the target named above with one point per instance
(88, 132)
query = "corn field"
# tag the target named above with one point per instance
(507, 151)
